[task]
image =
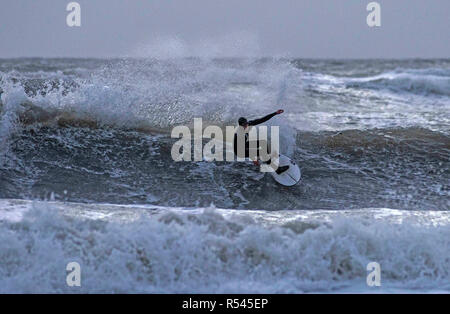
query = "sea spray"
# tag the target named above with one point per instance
(12, 98)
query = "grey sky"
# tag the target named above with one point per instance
(296, 28)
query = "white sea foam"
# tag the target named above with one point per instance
(156, 249)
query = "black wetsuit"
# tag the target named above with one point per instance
(251, 123)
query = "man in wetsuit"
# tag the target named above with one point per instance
(242, 132)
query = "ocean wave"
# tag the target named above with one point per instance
(163, 250)
(102, 134)
(424, 81)
(402, 168)
(156, 93)
(147, 95)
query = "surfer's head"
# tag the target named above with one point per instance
(243, 122)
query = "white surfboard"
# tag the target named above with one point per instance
(289, 177)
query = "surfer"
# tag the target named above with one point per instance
(260, 145)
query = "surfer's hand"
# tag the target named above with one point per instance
(280, 111)
(256, 162)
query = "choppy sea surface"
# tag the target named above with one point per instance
(86, 175)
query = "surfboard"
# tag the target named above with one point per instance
(289, 177)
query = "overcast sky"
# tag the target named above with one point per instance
(293, 28)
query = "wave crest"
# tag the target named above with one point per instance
(426, 82)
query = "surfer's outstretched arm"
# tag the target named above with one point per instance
(266, 118)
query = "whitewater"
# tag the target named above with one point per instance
(86, 175)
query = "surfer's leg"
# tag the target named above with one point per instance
(265, 153)
(241, 149)
(270, 160)
(252, 150)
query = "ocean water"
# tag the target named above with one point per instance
(86, 175)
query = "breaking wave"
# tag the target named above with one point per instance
(126, 249)
(426, 82)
